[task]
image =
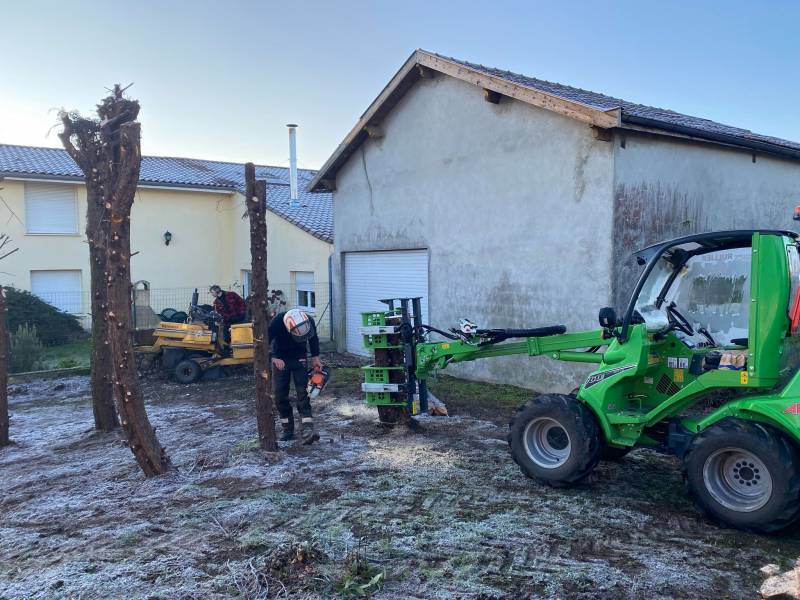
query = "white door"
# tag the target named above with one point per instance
(61, 289)
(370, 276)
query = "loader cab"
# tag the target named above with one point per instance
(725, 291)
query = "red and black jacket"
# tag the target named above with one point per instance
(231, 306)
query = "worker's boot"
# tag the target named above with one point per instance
(308, 434)
(287, 435)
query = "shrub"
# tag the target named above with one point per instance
(25, 349)
(54, 326)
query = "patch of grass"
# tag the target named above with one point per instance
(347, 375)
(359, 578)
(254, 539)
(130, 539)
(479, 399)
(246, 446)
(75, 354)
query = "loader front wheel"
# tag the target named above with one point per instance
(745, 475)
(554, 438)
(187, 371)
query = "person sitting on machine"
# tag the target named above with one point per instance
(231, 306)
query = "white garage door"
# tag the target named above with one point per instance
(62, 289)
(370, 276)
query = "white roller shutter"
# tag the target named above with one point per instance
(304, 280)
(370, 276)
(62, 289)
(51, 208)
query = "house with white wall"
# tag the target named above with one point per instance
(188, 229)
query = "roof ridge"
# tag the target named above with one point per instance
(547, 81)
(219, 162)
(668, 117)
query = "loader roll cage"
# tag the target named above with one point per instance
(678, 256)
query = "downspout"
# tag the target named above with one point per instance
(330, 296)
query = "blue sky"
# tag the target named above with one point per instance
(220, 80)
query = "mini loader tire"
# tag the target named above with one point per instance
(555, 439)
(745, 475)
(609, 453)
(187, 371)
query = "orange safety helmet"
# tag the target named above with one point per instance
(299, 324)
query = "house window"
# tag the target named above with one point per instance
(305, 296)
(51, 209)
(61, 289)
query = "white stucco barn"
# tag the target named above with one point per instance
(517, 202)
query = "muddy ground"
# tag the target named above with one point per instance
(439, 514)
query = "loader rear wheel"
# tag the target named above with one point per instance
(555, 439)
(745, 475)
(187, 371)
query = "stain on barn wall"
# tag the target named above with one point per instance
(665, 189)
(644, 214)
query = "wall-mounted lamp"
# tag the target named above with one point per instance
(167, 238)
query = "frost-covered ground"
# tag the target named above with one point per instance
(439, 514)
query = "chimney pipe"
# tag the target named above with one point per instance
(293, 165)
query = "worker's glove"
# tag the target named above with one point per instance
(316, 363)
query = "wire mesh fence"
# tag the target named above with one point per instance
(152, 305)
(50, 329)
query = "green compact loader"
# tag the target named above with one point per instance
(703, 364)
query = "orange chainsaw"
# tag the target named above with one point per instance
(317, 380)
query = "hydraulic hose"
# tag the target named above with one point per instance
(449, 336)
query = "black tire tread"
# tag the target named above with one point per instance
(583, 416)
(782, 447)
(194, 379)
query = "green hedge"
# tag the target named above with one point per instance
(53, 326)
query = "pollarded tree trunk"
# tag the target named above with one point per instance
(4, 437)
(142, 438)
(113, 158)
(105, 415)
(87, 152)
(256, 200)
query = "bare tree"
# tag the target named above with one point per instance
(256, 200)
(113, 153)
(5, 440)
(82, 140)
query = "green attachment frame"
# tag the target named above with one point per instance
(379, 319)
(387, 375)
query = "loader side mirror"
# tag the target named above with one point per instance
(608, 318)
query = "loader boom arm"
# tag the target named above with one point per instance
(433, 356)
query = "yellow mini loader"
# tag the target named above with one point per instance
(190, 349)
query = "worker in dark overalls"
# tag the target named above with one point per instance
(292, 335)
